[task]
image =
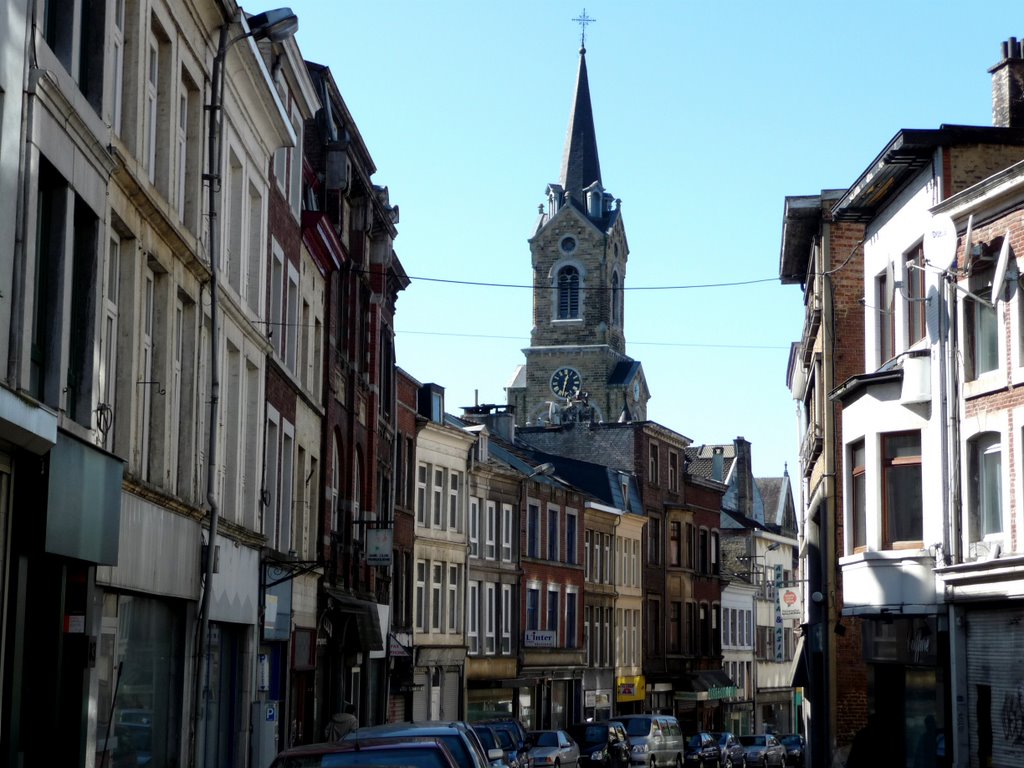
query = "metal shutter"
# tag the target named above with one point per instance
(995, 647)
(420, 696)
(451, 695)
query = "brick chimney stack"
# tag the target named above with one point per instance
(1008, 86)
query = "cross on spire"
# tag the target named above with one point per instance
(583, 20)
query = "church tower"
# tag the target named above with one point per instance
(576, 366)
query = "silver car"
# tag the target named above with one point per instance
(553, 748)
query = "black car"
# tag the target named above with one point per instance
(515, 730)
(495, 738)
(794, 744)
(701, 750)
(602, 745)
(731, 750)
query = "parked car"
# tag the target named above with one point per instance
(795, 745)
(730, 748)
(602, 745)
(763, 749)
(417, 753)
(493, 738)
(654, 740)
(515, 729)
(460, 739)
(702, 751)
(555, 748)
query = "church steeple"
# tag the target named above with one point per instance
(580, 164)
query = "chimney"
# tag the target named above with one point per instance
(717, 463)
(744, 477)
(1008, 86)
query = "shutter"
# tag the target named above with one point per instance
(420, 696)
(995, 645)
(451, 695)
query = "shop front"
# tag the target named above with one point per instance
(630, 693)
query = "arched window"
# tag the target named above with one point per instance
(335, 483)
(616, 300)
(568, 293)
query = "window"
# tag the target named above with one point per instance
(675, 627)
(901, 489)
(552, 625)
(277, 298)
(453, 597)
(489, 529)
(570, 619)
(422, 473)
(553, 542)
(986, 509)
(616, 300)
(506, 533)
(532, 608)
(675, 544)
(474, 526)
(652, 466)
(588, 637)
(533, 531)
(607, 554)
(595, 565)
(858, 500)
(981, 339)
(473, 616)
(152, 77)
(421, 595)
(914, 291)
(190, 111)
(654, 626)
(117, 44)
(586, 555)
(292, 314)
(437, 497)
(635, 631)
(454, 518)
(654, 541)
(673, 471)
(108, 342)
(506, 618)
(146, 383)
(570, 537)
(704, 567)
(885, 319)
(436, 592)
(568, 293)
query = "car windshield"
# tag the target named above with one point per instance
(721, 738)
(589, 734)
(791, 740)
(753, 741)
(545, 739)
(416, 758)
(504, 739)
(638, 726)
(486, 737)
(693, 741)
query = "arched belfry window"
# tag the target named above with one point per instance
(568, 293)
(616, 300)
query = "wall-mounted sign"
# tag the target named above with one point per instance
(378, 546)
(791, 605)
(539, 638)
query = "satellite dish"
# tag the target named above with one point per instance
(1000, 274)
(890, 286)
(968, 261)
(940, 241)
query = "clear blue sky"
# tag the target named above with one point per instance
(707, 115)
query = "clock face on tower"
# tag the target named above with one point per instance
(566, 382)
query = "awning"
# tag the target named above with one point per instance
(705, 685)
(365, 614)
(800, 673)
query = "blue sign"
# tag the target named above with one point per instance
(271, 713)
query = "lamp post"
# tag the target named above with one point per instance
(276, 25)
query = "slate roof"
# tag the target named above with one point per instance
(623, 372)
(581, 166)
(771, 493)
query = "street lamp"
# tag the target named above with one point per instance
(276, 25)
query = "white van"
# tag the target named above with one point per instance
(657, 740)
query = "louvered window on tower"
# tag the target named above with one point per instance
(568, 293)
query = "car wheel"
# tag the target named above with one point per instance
(727, 763)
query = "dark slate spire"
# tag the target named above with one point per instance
(580, 164)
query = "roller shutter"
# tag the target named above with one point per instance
(995, 685)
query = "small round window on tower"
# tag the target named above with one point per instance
(568, 244)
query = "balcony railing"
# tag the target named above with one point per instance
(810, 448)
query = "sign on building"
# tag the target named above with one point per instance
(378, 546)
